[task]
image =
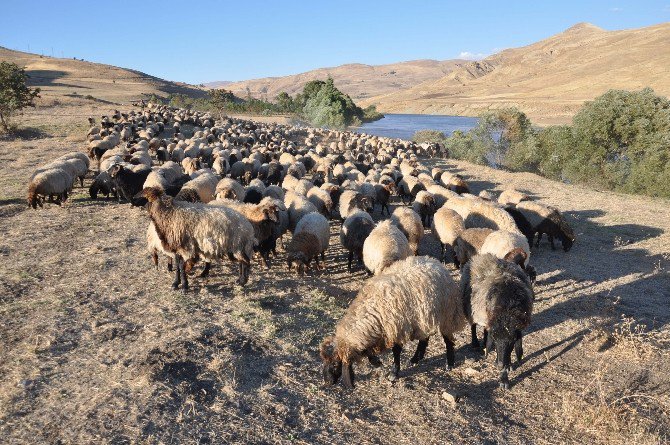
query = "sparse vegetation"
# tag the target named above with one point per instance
(14, 93)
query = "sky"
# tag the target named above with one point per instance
(205, 41)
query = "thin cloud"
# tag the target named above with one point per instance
(616, 9)
(467, 55)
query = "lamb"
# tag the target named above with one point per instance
(424, 205)
(49, 183)
(446, 227)
(127, 181)
(545, 219)
(263, 216)
(354, 232)
(321, 200)
(385, 245)
(228, 188)
(303, 248)
(413, 300)
(469, 243)
(409, 223)
(383, 194)
(511, 196)
(498, 296)
(195, 230)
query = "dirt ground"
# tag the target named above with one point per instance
(96, 347)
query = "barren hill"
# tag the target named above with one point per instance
(70, 80)
(549, 79)
(357, 80)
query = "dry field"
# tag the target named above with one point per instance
(96, 348)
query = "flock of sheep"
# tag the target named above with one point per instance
(228, 190)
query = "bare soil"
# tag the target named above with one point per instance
(96, 348)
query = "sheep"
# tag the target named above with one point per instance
(275, 192)
(253, 194)
(228, 188)
(316, 224)
(263, 216)
(297, 206)
(545, 219)
(409, 223)
(385, 245)
(424, 205)
(383, 194)
(479, 213)
(53, 182)
(498, 296)
(301, 250)
(200, 189)
(195, 230)
(511, 196)
(412, 300)
(468, 244)
(350, 201)
(455, 183)
(486, 195)
(128, 182)
(164, 176)
(441, 194)
(512, 247)
(446, 227)
(81, 166)
(102, 183)
(321, 200)
(354, 232)
(408, 187)
(303, 186)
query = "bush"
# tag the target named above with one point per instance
(430, 136)
(14, 93)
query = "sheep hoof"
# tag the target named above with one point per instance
(448, 367)
(175, 286)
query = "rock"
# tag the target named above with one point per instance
(450, 397)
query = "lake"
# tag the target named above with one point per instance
(403, 126)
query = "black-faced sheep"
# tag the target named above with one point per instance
(424, 205)
(546, 219)
(413, 300)
(128, 181)
(498, 296)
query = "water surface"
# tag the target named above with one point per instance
(404, 126)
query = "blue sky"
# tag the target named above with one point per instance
(206, 40)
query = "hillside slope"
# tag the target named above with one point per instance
(68, 80)
(549, 79)
(357, 80)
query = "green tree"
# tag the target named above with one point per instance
(285, 102)
(431, 136)
(14, 93)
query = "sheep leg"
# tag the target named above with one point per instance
(348, 375)
(205, 271)
(420, 352)
(488, 342)
(395, 371)
(442, 256)
(551, 241)
(184, 276)
(518, 347)
(350, 259)
(450, 352)
(169, 264)
(177, 275)
(473, 330)
(154, 258)
(373, 359)
(539, 237)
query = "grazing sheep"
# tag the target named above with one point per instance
(102, 183)
(413, 300)
(301, 250)
(511, 196)
(546, 219)
(195, 231)
(385, 245)
(498, 296)
(297, 207)
(409, 223)
(446, 227)
(354, 232)
(469, 243)
(49, 184)
(479, 213)
(424, 206)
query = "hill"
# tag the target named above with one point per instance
(357, 80)
(70, 80)
(550, 79)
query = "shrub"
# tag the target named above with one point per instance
(430, 136)
(14, 93)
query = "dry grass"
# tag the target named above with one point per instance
(97, 349)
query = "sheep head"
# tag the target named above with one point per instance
(152, 194)
(517, 256)
(332, 365)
